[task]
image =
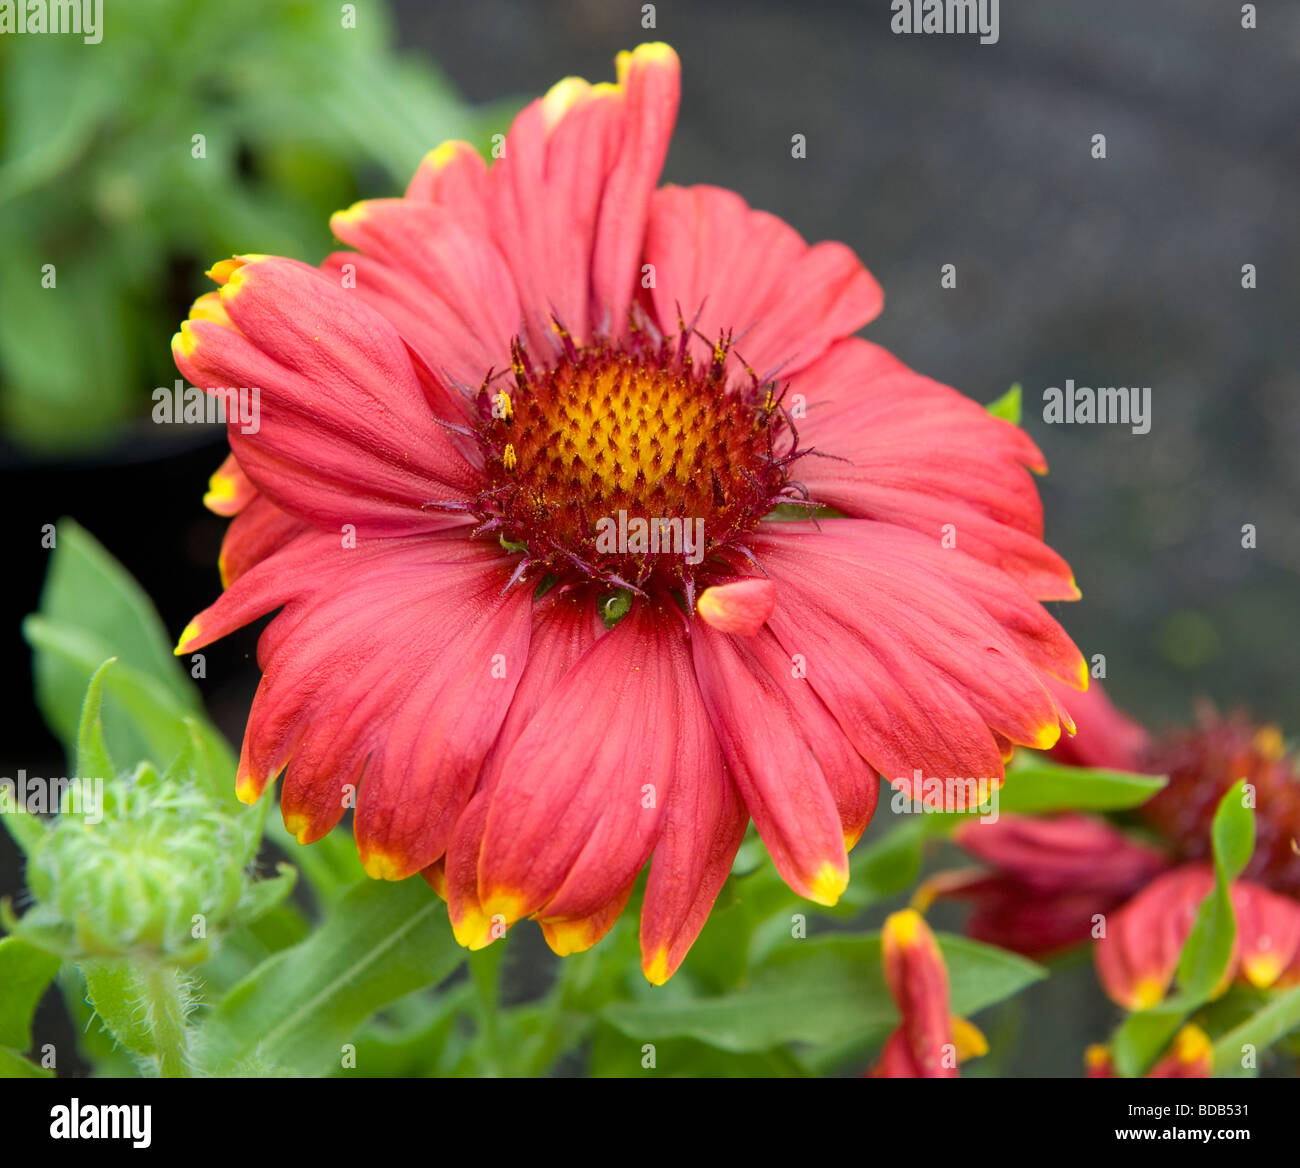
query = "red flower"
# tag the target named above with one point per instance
(1191, 1056)
(1105, 737)
(929, 1042)
(1050, 878)
(460, 425)
(1137, 957)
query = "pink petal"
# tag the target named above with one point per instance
(806, 789)
(750, 272)
(344, 432)
(578, 807)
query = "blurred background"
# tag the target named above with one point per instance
(921, 151)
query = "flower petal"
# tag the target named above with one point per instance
(918, 674)
(751, 273)
(344, 434)
(808, 792)
(578, 807)
(567, 200)
(704, 824)
(565, 626)
(910, 451)
(446, 288)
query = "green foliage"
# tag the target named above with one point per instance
(820, 991)
(294, 1013)
(371, 985)
(98, 177)
(25, 974)
(1007, 407)
(1206, 955)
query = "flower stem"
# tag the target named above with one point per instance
(164, 996)
(485, 972)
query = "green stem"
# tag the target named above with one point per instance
(485, 972)
(164, 998)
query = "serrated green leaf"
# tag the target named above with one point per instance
(293, 1014)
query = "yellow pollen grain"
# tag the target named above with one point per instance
(505, 406)
(508, 459)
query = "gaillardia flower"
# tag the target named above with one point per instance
(511, 490)
(1048, 878)
(929, 1041)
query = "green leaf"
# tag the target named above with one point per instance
(146, 720)
(823, 990)
(1272, 1022)
(93, 759)
(1037, 786)
(15, 1066)
(25, 974)
(886, 866)
(1007, 407)
(91, 609)
(145, 1005)
(616, 1055)
(264, 895)
(1208, 950)
(293, 1014)
(1144, 1035)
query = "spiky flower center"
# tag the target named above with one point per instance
(629, 464)
(1202, 763)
